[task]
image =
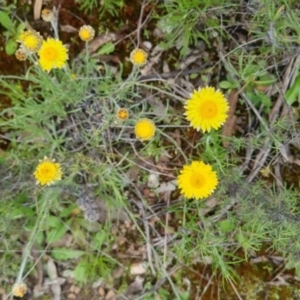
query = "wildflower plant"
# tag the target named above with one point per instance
(47, 15)
(47, 172)
(138, 57)
(122, 114)
(197, 180)
(144, 129)
(52, 54)
(21, 54)
(206, 109)
(86, 33)
(31, 41)
(19, 289)
(175, 142)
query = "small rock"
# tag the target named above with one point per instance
(72, 296)
(97, 283)
(153, 181)
(101, 291)
(110, 295)
(147, 45)
(138, 269)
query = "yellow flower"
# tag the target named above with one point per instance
(138, 57)
(86, 33)
(47, 171)
(122, 114)
(53, 54)
(31, 41)
(197, 180)
(47, 15)
(21, 54)
(19, 289)
(144, 129)
(206, 109)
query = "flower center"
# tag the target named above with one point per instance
(144, 130)
(31, 42)
(48, 171)
(208, 110)
(197, 180)
(139, 57)
(50, 54)
(85, 34)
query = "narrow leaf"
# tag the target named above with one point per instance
(65, 253)
(5, 20)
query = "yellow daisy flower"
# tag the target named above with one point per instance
(21, 54)
(53, 54)
(19, 289)
(31, 41)
(138, 57)
(122, 114)
(86, 33)
(47, 15)
(206, 109)
(47, 171)
(197, 180)
(144, 129)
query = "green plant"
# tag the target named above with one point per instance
(185, 22)
(13, 29)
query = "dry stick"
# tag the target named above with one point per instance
(138, 31)
(207, 286)
(222, 57)
(278, 178)
(264, 152)
(235, 290)
(266, 148)
(166, 235)
(140, 205)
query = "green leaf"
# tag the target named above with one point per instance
(80, 272)
(293, 93)
(67, 211)
(106, 49)
(99, 239)
(266, 80)
(54, 222)
(20, 28)
(39, 238)
(225, 85)
(297, 271)
(11, 47)
(227, 225)
(65, 253)
(6, 21)
(253, 98)
(185, 295)
(55, 234)
(265, 100)
(194, 75)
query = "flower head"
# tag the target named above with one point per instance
(86, 33)
(144, 129)
(47, 171)
(206, 109)
(31, 41)
(53, 54)
(21, 54)
(197, 180)
(138, 57)
(19, 289)
(47, 15)
(122, 114)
